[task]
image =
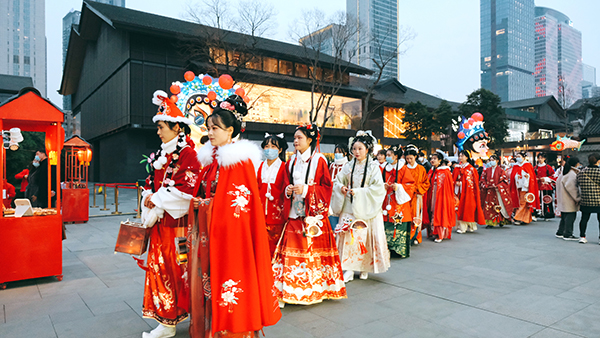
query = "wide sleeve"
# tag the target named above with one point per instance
(406, 186)
(341, 180)
(241, 275)
(22, 174)
(318, 195)
(483, 182)
(367, 200)
(423, 184)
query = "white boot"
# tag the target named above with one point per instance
(364, 275)
(348, 276)
(281, 304)
(161, 331)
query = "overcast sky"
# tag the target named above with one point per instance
(443, 59)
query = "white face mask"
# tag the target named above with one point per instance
(519, 160)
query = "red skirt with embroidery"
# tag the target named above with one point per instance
(164, 294)
(308, 269)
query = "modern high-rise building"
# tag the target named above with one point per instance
(378, 26)
(507, 48)
(70, 20)
(24, 37)
(558, 56)
(588, 82)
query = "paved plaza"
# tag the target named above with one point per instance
(516, 281)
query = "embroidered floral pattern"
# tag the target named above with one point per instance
(228, 298)
(241, 199)
(190, 178)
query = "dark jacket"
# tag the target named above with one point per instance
(588, 181)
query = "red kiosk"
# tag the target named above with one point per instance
(76, 195)
(31, 247)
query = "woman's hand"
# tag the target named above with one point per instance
(148, 203)
(298, 189)
(289, 190)
(345, 190)
(196, 202)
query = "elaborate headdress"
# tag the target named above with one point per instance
(364, 136)
(471, 129)
(313, 132)
(203, 89)
(167, 110)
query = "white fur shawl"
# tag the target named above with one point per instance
(231, 154)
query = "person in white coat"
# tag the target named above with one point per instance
(568, 198)
(358, 193)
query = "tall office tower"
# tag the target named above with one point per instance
(507, 48)
(588, 82)
(558, 60)
(24, 37)
(379, 19)
(70, 20)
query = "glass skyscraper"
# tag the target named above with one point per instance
(24, 40)
(558, 55)
(378, 20)
(507, 48)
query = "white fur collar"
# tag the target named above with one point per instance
(399, 164)
(231, 154)
(442, 167)
(170, 146)
(412, 167)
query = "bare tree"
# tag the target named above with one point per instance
(381, 56)
(256, 18)
(565, 98)
(320, 35)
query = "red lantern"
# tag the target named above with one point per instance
(471, 121)
(207, 80)
(174, 98)
(211, 95)
(189, 76)
(81, 156)
(175, 89)
(226, 81)
(88, 156)
(477, 117)
(466, 125)
(241, 92)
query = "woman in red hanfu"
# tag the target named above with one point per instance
(166, 198)
(419, 174)
(272, 180)
(307, 265)
(523, 190)
(495, 194)
(231, 279)
(469, 199)
(397, 211)
(441, 202)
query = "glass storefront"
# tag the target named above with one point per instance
(393, 126)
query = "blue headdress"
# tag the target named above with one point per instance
(471, 129)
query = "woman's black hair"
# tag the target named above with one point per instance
(204, 139)
(397, 150)
(279, 142)
(311, 131)
(381, 152)
(572, 162)
(411, 151)
(513, 159)
(522, 153)
(186, 129)
(342, 148)
(495, 157)
(225, 118)
(466, 153)
(439, 156)
(593, 158)
(367, 140)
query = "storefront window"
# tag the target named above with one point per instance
(301, 70)
(270, 65)
(254, 62)
(286, 67)
(289, 106)
(393, 126)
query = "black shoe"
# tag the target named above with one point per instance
(571, 238)
(559, 236)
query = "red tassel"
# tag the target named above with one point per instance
(363, 248)
(394, 233)
(140, 263)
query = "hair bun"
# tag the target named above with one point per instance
(238, 102)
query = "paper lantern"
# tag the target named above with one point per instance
(88, 156)
(226, 81)
(81, 156)
(207, 80)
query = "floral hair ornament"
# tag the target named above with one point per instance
(363, 136)
(312, 130)
(444, 156)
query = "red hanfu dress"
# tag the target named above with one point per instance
(165, 291)
(417, 202)
(272, 181)
(522, 182)
(545, 174)
(469, 210)
(307, 269)
(232, 290)
(495, 196)
(441, 203)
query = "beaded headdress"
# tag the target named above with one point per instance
(471, 129)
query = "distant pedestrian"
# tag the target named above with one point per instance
(22, 176)
(523, 190)
(495, 196)
(340, 158)
(588, 181)
(466, 181)
(381, 154)
(544, 173)
(568, 197)
(424, 162)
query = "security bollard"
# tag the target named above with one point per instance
(94, 193)
(139, 203)
(105, 208)
(116, 212)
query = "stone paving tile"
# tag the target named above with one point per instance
(47, 306)
(66, 287)
(409, 326)
(22, 291)
(116, 324)
(40, 327)
(422, 306)
(551, 333)
(350, 313)
(480, 323)
(320, 327)
(584, 322)
(285, 329)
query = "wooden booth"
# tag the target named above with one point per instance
(31, 246)
(75, 192)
